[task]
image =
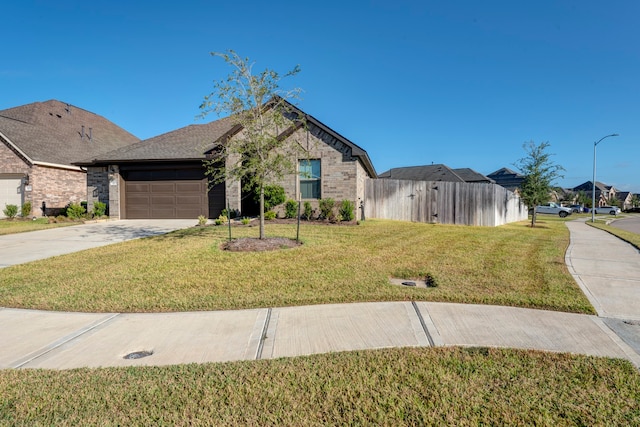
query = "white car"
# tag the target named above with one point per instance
(611, 210)
(554, 209)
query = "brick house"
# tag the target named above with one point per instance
(39, 143)
(164, 176)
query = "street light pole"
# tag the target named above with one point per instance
(593, 183)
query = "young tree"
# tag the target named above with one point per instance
(264, 148)
(539, 173)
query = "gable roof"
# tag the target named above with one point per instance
(194, 141)
(588, 186)
(507, 178)
(437, 172)
(57, 133)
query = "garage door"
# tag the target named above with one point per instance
(169, 199)
(10, 193)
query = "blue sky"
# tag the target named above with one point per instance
(464, 83)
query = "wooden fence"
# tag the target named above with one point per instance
(442, 202)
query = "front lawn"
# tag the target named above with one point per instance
(511, 265)
(407, 386)
(17, 225)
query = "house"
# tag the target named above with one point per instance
(438, 172)
(604, 193)
(507, 178)
(625, 199)
(39, 143)
(164, 176)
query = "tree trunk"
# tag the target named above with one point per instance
(261, 211)
(533, 218)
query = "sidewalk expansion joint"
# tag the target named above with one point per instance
(62, 341)
(423, 324)
(263, 335)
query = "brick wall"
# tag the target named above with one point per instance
(57, 187)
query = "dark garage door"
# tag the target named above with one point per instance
(167, 199)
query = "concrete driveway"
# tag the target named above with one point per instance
(20, 248)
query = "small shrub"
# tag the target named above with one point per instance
(326, 208)
(222, 219)
(291, 209)
(346, 210)
(245, 221)
(202, 220)
(10, 211)
(61, 218)
(270, 215)
(26, 209)
(75, 211)
(308, 211)
(99, 209)
(234, 213)
(273, 196)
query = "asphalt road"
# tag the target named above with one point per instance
(631, 224)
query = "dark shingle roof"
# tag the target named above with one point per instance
(187, 143)
(437, 172)
(52, 132)
(507, 178)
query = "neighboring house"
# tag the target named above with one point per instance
(624, 197)
(164, 176)
(39, 143)
(603, 192)
(507, 178)
(437, 172)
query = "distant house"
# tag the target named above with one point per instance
(507, 178)
(625, 197)
(39, 143)
(604, 192)
(438, 172)
(164, 176)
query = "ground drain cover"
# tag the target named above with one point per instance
(138, 354)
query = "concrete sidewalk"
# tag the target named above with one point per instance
(20, 248)
(604, 266)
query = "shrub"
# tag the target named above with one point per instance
(26, 209)
(273, 196)
(291, 209)
(202, 220)
(346, 210)
(222, 219)
(270, 215)
(234, 213)
(10, 211)
(75, 211)
(99, 209)
(245, 221)
(326, 208)
(308, 211)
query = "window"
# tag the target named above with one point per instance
(310, 179)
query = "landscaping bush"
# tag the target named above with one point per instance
(234, 213)
(10, 211)
(26, 209)
(326, 208)
(270, 215)
(202, 220)
(222, 219)
(75, 211)
(346, 210)
(99, 209)
(291, 209)
(245, 221)
(308, 211)
(273, 196)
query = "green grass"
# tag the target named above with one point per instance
(512, 265)
(20, 226)
(409, 386)
(627, 236)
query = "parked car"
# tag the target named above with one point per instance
(611, 210)
(554, 209)
(575, 208)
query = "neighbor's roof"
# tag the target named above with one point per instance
(52, 132)
(438, 172)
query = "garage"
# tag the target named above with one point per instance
(169, 193)
(10, 193)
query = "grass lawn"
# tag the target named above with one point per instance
(627, 236)
(511, 265)
(20, 226)
(410, 386)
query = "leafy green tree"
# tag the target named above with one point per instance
(539, 173)
(264, 148)
(584, 199)
(635, 201)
